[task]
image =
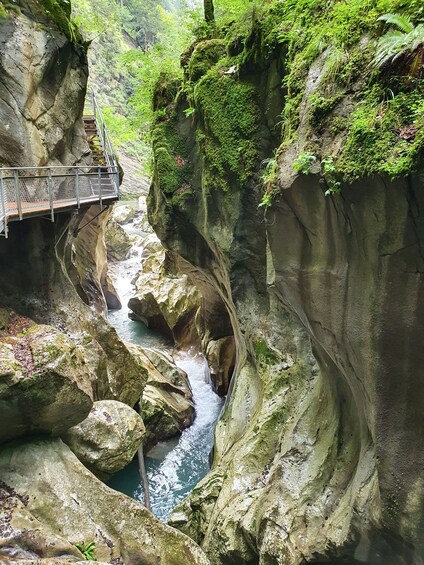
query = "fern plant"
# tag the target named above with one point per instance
(407, 41)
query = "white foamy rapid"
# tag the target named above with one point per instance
(173, 469)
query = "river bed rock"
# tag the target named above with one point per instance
(165, 298)
(166, 404)
(118, 242)
(107, 440)
(67, 505)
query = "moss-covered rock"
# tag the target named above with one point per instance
(205, 55)
(309, 457)
(45, 385)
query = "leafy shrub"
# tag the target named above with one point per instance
(303, 163)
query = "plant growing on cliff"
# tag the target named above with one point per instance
(87, 550)
(407, 42)
(269, 180)
(304, 162)
(329, 172)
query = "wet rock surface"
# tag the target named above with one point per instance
(166, 404)
(165, 298)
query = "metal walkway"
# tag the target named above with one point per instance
(36, 191)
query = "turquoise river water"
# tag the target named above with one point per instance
(173, 467)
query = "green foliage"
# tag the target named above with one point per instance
(88, 550)
(132, 44)
(269, 180)
(303, 163)
(189, 111)
(329, 172)
(406, 40)
(60, 11)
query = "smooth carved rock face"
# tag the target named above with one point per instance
(107, 440)
(317, 455)
(45, 386)
(69, 505)
(318, 444)
(41, 93)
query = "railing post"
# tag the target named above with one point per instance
(117, 180)
(17, 193)
(50, 190)
(3, 204)
(77, 191)
(99, 176)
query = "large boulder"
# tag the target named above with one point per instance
(166, 404)
(107, 440)
(165, 299)
(123, 213)
(118, 242)
(45, 385)
(74, 507)
(221, 356)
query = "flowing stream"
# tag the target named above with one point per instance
(173, 467)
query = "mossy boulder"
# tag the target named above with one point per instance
(205, 55)
(45, 384)
(107, 440)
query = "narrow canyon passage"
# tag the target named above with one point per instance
(175, 466)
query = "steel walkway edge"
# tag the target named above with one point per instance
(37, 191)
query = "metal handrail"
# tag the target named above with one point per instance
(102, 132)
(13, 177)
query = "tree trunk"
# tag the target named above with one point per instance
(209, 11)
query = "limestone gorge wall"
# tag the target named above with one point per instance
(68, 385)
(318, 455)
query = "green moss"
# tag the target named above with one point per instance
(172, 167)
(384, 135)
(59, 11)
(205, 55)
(263, 353)
(228, 131)
(321, 106)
